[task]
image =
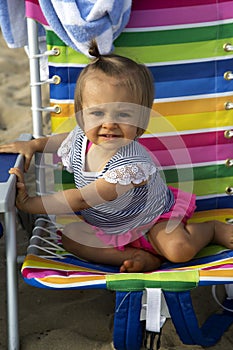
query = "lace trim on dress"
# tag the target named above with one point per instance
(132, 173)
(65, 149)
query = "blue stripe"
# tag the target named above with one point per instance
(7, 161)
(170, 81)
(68, 75)
(192, 87)
(214, 203)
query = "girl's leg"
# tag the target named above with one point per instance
(80, 240)
(179, 243)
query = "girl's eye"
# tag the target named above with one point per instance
(97, 113)
(123, 115)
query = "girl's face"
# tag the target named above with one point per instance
(109, 112)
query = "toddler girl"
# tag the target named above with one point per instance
(125, 204)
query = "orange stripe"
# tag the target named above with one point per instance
(57, 280)
(167, 108)
(216, 273)
(191, 106)
(67, 109)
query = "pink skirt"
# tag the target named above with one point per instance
(183, 209)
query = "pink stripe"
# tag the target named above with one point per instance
(33, 11)
(179, 141)
(193, 155)
(159, 4)
(181, 15)
(219, 267)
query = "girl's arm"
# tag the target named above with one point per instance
(28, 148)
(67, 201)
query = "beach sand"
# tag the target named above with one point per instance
(72, 320)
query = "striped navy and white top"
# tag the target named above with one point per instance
(131, 163)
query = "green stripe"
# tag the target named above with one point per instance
(175, 52)
(174, 36)
(67, 55)
(150, 54)
(146, 51)
(205, 187)
(211, 250)
(196, 173)
(171, 175)
(168, 281)
(206, 180)
(63, 176)
(163, 37)
(53, 39)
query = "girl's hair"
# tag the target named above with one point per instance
(136, 77)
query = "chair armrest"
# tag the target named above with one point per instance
(7, 181)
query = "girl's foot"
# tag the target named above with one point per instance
(141, 261)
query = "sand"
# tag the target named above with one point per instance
(74, 320)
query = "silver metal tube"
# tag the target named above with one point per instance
(34, 65)
(12, 281)
(36, 99)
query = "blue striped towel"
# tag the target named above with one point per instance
(13, 23)
(77, 22)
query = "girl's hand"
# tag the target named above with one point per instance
(26, 148)
(22, 197)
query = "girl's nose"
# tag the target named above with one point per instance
(109, 123)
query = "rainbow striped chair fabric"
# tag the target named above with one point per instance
(189, 48)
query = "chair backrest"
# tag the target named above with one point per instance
(190, 61)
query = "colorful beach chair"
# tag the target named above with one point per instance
(188, 45)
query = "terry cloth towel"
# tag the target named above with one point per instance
(77, 22)
(13, 23)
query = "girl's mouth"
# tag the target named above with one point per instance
(110, 136)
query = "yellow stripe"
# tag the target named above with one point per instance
(158, 124)
(189, 122)
(167, 121)
(217, 214)
(62, 124)
(39, 262)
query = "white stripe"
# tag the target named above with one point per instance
(153, 64)
(68, 13)
(179, 26)
(216, 278)
(193, 97)
(185, 132)
(74, 65)
(61, 101)
(189, 61)
(217, 195)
